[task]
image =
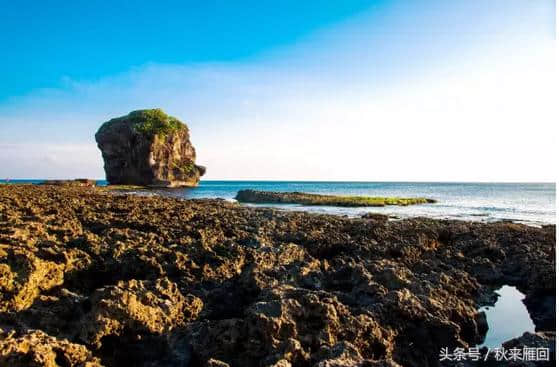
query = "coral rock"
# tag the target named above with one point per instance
(37, 349)
(136, 307)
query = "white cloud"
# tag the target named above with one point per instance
(318, 113)
(50, 161)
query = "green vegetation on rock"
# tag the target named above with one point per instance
(186, 168)
(253, 196)
(150, 123)
(154, 122)
(148, 148)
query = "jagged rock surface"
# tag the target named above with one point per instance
(148, 148)
(151, 281)
(37, 349)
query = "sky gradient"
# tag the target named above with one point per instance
(325, 90)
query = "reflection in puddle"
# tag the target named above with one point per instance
(508, 319)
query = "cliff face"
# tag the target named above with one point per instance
(148, 148)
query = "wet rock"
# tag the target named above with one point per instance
(541, 306)
(255, 196)
(543, 340)
(375, 216)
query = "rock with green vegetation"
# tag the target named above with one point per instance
(148, 148)
(253, 196)
(86, 182)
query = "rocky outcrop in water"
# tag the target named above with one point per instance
(268, 197)
(75, 182)
(148, 148)
(89, 278)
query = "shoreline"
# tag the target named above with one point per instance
(16, 180)
(357, 212)
(209, 279)
(532, 203)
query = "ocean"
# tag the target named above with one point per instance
(529, 203)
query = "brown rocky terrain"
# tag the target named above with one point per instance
(90, 278)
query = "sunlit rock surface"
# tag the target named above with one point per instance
(90, 277)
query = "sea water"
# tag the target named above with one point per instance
(507, 319)
(530, 203)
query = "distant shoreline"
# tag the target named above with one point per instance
(104, 181)
(529, 203)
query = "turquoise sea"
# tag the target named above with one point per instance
(530, 203)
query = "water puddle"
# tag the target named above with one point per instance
(508, 319)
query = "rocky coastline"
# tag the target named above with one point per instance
(93, 278)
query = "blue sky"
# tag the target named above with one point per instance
(49, 41)
(425, 90)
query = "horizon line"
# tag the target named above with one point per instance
(309, 181)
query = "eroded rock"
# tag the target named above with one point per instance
(37, 349)
(148, 148)
(154, 281)
(132, 308)
(23, 276)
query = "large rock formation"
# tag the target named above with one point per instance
(148, 148)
